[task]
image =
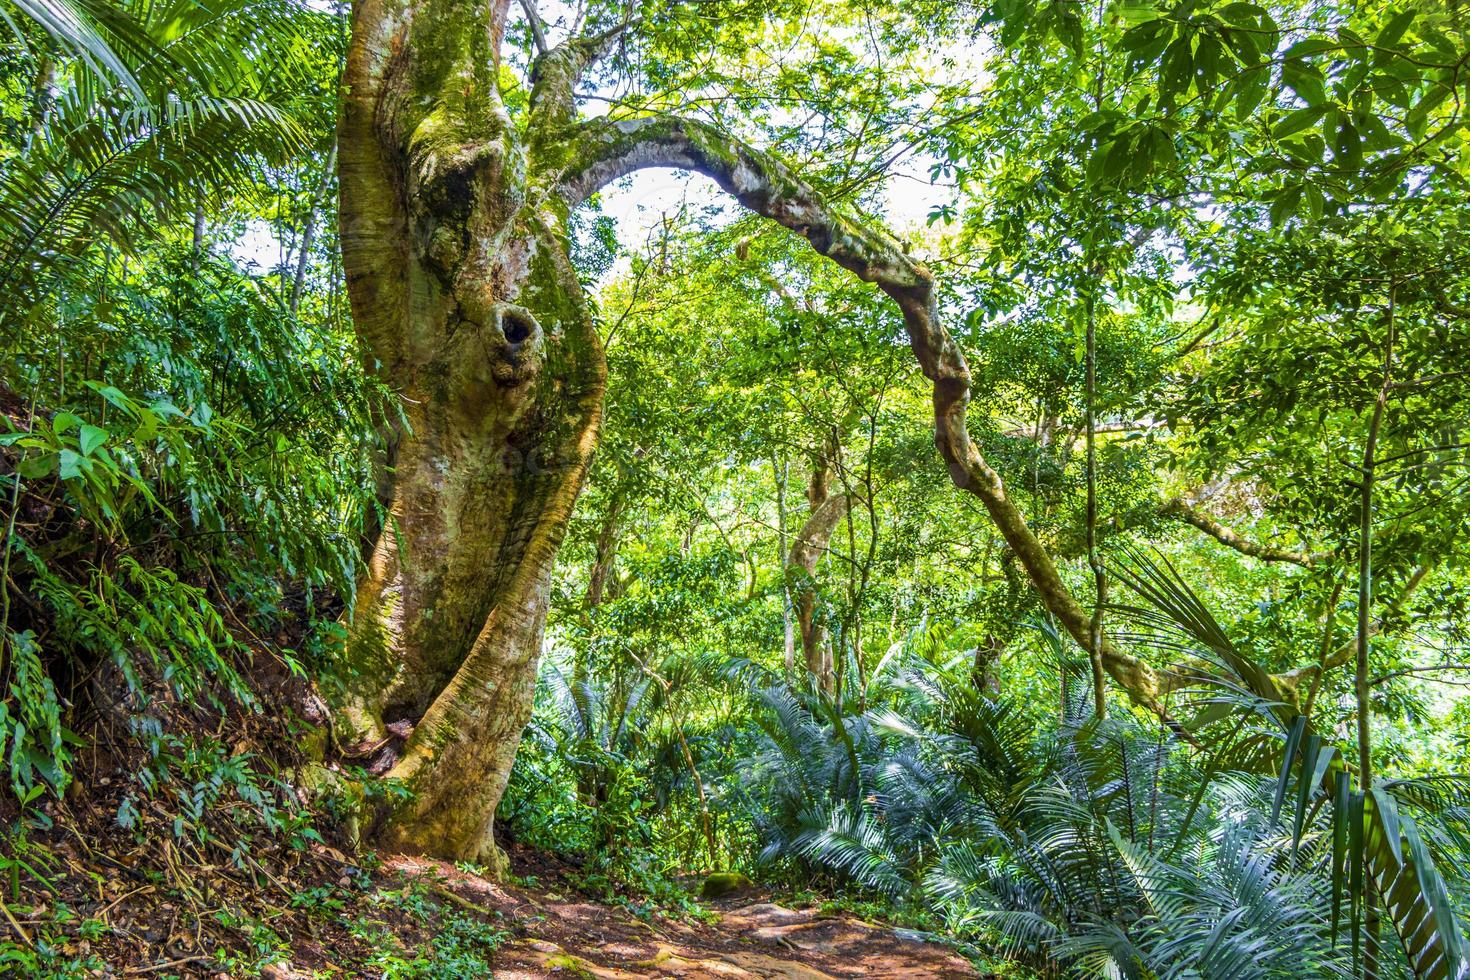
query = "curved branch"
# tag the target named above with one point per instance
(1181, 508)
(607, 150)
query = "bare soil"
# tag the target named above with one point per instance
(561, 934)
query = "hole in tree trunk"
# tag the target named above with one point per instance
(517, 326)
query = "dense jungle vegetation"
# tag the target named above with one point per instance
(1000, 470)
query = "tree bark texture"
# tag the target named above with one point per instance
(467, 304)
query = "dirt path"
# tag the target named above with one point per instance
(563, 935)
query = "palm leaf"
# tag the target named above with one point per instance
(1406, 879)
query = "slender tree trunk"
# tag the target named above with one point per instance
(788, 623)
(810, 544)
(308, 231)
(43, 97)
(199, 229)
(1361, 679)
(605, 552)
(1094, 560)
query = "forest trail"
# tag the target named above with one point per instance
(561, 934)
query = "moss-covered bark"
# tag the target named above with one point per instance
(467, 305)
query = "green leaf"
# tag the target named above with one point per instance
(1251, 88)
(1416, 122)
(37, 467)
(147, 425)
(1304, 785)
(1286, 202)
(1347, 147)
(1341, 813)
(1376, 137)
(1242, 44)
(1162, 153)
(1394, 31)
(115, 398)
(1296, 121)
(64, 422)
(1310, 46)
(1356, 861)
(1242, 14)
(71, 464)
(1387, 811)
(92, 437)
(1208, 57)
(1306, 81)
(1432, 892)
(1146, 34)
(1293, 739)
(1176, 71)
(1315, 200)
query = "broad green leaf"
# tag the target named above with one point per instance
(37, 467)
(1296, 121)
(1251, 89)
(91, 438)
(1176, 70)
(1285, 204)
(1306, 81)
(1394, 31)
(71, 464)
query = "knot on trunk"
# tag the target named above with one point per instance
(502, 343)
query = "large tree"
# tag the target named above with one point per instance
(456, 247)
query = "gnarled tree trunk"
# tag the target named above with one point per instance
(467, 305)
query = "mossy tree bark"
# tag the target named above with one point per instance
(467, 304)
(455, 247)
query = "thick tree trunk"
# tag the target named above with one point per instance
(467, 305)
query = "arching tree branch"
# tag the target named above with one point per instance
(607, 150)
